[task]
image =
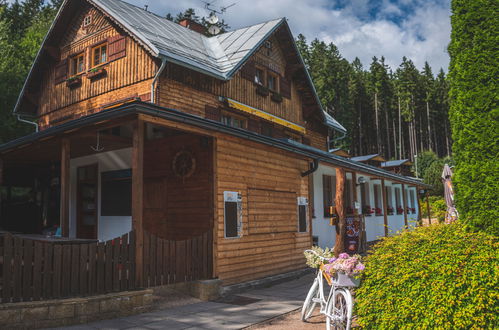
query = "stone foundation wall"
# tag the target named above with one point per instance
(61, 312)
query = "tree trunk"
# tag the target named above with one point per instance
(430, 145)
(395, 148)
(387, 130)
(339, 245)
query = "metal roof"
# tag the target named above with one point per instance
(397, 162)
(364, 158)
(139, 107)
(219, 56)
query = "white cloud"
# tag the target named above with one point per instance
(355, 26)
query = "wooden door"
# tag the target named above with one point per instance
(86, 204)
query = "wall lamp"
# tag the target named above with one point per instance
(361, 180)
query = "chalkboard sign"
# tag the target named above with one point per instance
(116, 193)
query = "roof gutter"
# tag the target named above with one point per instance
(156, 77)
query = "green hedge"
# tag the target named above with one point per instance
(433, 277)
(474, 111)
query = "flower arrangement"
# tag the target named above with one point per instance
(315, 261)
(367, 210)
(400, 210)
(408, 210)
(390, 210)
(379, 211)
(413, 210)
(344, 264)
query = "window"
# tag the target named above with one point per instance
(232, 214)
(272, 81)
(412, 199)
(233, 121)
(378, 204)
(87, 20)
(99, 55)
(389, 202)
(364, 192)
(398, 204)
(302, 214)
(329, 193)
(77, 64)
(267, 129)
(259, 76)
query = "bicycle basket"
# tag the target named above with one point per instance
(345, 280)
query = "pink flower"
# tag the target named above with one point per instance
(343, 256)
(360, 267)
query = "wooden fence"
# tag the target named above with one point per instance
(168, 262)
(33, 270)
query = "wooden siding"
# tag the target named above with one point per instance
(177, 208)
(246, 167)
(128, 76)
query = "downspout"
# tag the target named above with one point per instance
(27, 122)
(156, 77)
(314, 166)
(336, 139)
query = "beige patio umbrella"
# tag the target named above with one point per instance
(451, 214)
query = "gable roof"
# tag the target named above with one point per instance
(219, 56)
(365, 158)
(398, 162)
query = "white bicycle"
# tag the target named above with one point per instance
(337, 306)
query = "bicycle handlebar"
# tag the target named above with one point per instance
(318, 255)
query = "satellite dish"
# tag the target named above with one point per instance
(214, 30)
(212, 19)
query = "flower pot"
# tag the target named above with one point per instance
(345, 280)
(96, 73)
(262, 90)
(276, 97)
(73, 82)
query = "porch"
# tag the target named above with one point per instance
(117, 205)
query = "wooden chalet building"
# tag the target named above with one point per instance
(200, 148)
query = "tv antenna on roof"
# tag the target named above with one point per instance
(216, 9)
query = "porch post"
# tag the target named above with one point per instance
(339, 246)
(137, 196)
(65, 158)
(418, 199)
(385, 207)
(404, 201)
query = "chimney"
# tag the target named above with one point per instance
(190, 24)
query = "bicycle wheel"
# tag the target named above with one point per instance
(310, 303)
(339, 310)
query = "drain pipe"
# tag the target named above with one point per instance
(27, 122)
(156, 77)
(336, 139)
(314, 166)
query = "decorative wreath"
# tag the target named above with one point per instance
(184, 164)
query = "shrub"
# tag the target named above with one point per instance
(432, 277)
(473, 72)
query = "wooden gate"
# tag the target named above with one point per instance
(32, 270)
(168, 262)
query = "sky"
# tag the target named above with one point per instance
(417, 29)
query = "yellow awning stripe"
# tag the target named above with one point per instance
(265, 115)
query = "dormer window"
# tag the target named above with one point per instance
(87, 20)
(99, 55)
(77, 64)
(272, 82)
(259, 76)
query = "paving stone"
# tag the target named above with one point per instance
(167, 324)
